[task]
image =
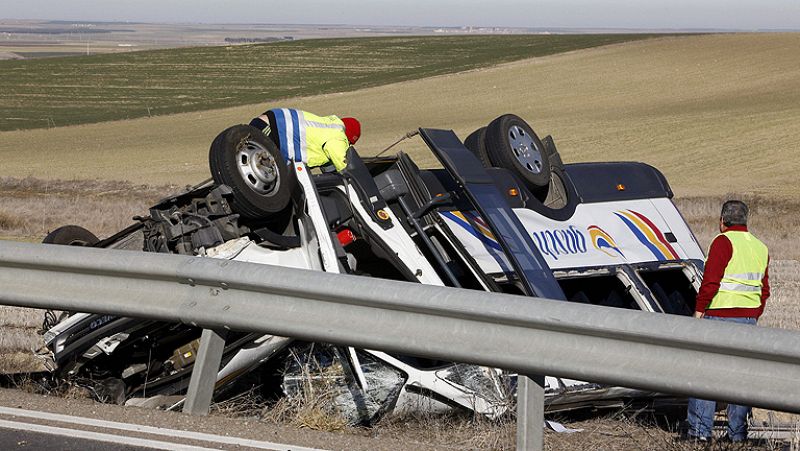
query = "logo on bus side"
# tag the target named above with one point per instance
(560, 242)
(603, 242)
(648, 234)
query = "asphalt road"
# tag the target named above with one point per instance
(48, 430)
(11, 439)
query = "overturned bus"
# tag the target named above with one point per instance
(502, 214)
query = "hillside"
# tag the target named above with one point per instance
(56, 92)
(716, 113)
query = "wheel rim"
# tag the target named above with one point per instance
(258, 168)
(525, 149)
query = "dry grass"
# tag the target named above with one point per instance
(449, 431)
(30, 382)
(312, 408)
(305, 412)
(20, 340)
(783, 307)
(17, 317)
(20, 362)
(774, 221)
(30, 208)
(619, 431)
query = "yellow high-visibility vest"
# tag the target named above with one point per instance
(741, 283)
(314, 140)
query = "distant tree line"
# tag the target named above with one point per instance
(267, 39)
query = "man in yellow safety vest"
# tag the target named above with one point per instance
(314, 140)
(735, 288)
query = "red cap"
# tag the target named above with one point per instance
(352, 128)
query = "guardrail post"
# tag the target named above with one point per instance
(204, 373)
(530, 413)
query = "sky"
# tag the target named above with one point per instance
(643, 14)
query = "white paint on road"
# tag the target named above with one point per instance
(99, 436)
(127, 427)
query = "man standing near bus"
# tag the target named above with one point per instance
(735, 289)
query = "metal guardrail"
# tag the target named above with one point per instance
(749, 365)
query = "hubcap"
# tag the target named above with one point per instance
(525, 149)
(258, 168)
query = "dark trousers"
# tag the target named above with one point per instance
(700, 413)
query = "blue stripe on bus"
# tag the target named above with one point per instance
(298, 151)
(643, 239)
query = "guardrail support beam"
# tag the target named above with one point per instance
(204, 373)
(530, 413)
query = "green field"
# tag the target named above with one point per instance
(86, 89)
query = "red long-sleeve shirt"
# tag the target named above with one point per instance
(719, 254)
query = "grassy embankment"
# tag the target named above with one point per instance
(87, 89)
(717, 114)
